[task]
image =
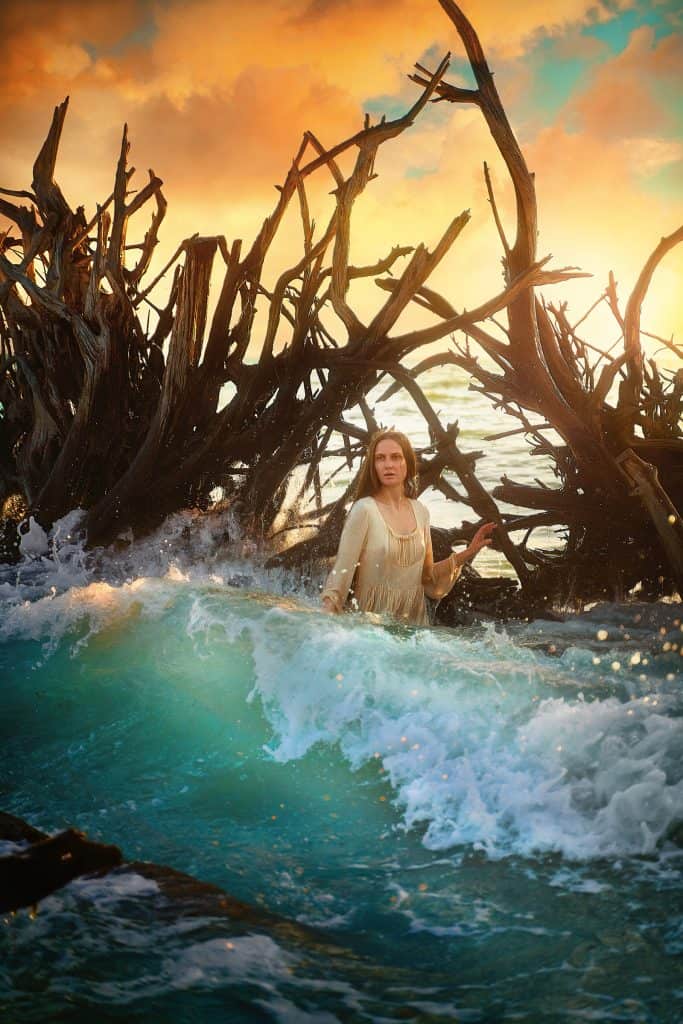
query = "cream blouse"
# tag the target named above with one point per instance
(392, 570)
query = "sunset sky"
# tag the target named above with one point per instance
(217, 93)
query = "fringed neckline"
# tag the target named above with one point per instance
(404, 548)
(399, 536)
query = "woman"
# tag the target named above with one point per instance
(386, 541)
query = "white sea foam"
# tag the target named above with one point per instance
(34, 542)
(249, 956)
(114, 887)
(476, 742)
(59, 587)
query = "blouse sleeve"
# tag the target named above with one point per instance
(351, 545)
(437, 579)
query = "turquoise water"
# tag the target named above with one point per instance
(480, 825)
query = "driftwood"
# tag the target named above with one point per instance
(120, 395)
(99, 416)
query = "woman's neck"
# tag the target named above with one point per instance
(392, 495)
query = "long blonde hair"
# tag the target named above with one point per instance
(368, 484)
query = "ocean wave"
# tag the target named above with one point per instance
(563, 738)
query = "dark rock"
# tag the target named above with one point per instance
(16, 830)
(48, 864)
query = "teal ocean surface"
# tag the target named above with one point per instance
(474, 825)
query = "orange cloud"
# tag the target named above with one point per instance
(360, 47)
(45, 44)
(592, 168)
(621, 100)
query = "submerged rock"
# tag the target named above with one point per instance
(48, 863)
(16, 830)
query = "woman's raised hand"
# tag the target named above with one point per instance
(481, 539)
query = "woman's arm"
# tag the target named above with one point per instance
(350, 547)
(438, 577)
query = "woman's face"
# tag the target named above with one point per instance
(390, 463)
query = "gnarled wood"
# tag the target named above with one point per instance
(103, 413)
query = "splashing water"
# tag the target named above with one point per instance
(480, 824)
